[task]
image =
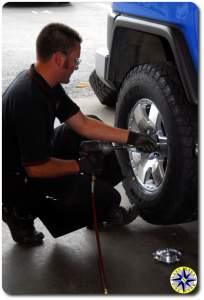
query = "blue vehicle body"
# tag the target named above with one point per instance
(183, 14)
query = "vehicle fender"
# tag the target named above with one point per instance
(168, 34)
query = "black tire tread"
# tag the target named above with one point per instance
(186, 120)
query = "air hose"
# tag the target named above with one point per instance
(100, 256)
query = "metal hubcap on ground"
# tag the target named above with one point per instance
(149, 168)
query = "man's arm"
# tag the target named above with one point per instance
(94, 129)
(91, 129)
(87, 127)
(53, 168)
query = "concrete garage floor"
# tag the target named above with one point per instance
(68, 265)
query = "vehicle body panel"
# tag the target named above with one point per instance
(184, 15)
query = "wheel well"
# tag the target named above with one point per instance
(131, 48)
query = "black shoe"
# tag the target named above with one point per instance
(122, 216)
(22, 228)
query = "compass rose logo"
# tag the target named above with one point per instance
(183, 280)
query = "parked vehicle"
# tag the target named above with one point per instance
(149, 70)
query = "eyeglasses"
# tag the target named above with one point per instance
(77, 60)
(77, 63)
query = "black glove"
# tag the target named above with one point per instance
(91, 163)
(142, 142)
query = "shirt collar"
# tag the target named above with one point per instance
(37, 77)
(49, 92)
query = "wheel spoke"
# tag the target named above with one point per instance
(157, 172)
(154, 116)
(141, 118)
(163, 148)
(144, 170)
(133, 126)
(136, 156)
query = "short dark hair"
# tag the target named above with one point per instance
(55, 37)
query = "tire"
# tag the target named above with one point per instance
(163, 184)
(105, 95)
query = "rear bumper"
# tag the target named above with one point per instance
(102, 56)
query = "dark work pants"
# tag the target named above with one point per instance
(64, 204)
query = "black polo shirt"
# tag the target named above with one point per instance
(30, 107)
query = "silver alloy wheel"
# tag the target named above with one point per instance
(149, 168)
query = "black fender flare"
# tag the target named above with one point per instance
(175, 39)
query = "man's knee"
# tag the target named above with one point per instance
(66, 143)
